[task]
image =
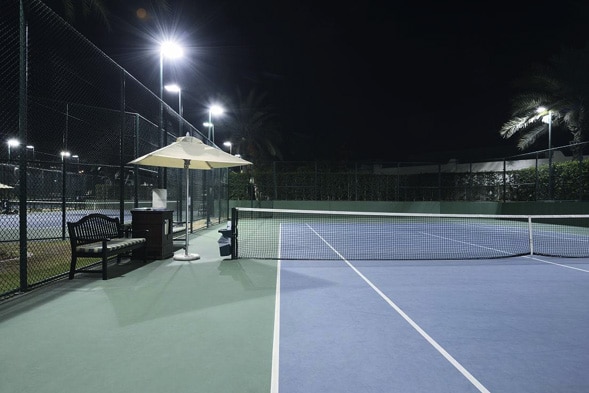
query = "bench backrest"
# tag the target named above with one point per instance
(93, 227)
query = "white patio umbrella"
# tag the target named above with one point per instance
(189, 153)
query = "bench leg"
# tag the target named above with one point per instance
(104, 264)
(73, 267)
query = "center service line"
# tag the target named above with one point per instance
(415, 326)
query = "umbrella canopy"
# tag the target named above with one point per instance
(201, 156)
(5, 187)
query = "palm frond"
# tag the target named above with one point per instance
(531, 136)
(515, 125)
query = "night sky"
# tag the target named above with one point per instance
(368, 80)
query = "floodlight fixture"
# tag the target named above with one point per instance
(171, 50)
(173, 88)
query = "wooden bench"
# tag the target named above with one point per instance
(100, 236)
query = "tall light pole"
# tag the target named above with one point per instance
(64, 156)
(548, 119)
(213, 110)
(168, 49)
(174, 88)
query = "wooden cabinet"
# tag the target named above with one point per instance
(160, 243)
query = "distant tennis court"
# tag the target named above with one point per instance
(367, 302)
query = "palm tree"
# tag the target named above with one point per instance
(254, 127)
(562, 87)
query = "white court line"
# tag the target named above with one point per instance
(413, 324)
(276, 339)
(494, 249)
(460, 241)
(556, 264)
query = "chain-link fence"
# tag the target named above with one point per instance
(71, 118)
(526, 177)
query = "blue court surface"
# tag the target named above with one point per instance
(501, 325)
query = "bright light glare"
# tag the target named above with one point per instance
(541, 109)
(228, 144)
(171, 50)
(207, 124)
(65, 154)
(216, 110)
(13, 142)
(173, 88)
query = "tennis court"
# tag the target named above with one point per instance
(507, 325)
(427, 319)
(325, 324)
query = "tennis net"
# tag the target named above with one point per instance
(329, 235)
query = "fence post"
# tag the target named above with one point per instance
(135, 154)
(537, 180)
(121, 153)
(439, 182)
(275, 180)
(22, 131)
(63, 192)
(504, 179)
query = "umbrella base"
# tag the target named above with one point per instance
(186, 257)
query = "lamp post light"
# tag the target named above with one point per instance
(229, 145)
(174, 88)
(168, 49)
(11, 143)
(215, 110)
(31, 147)
(77, 158)
(548, 120)
(210, 126)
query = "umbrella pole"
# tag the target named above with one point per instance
(186, 256)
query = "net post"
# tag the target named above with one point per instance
(530, 236)
(234, 233)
